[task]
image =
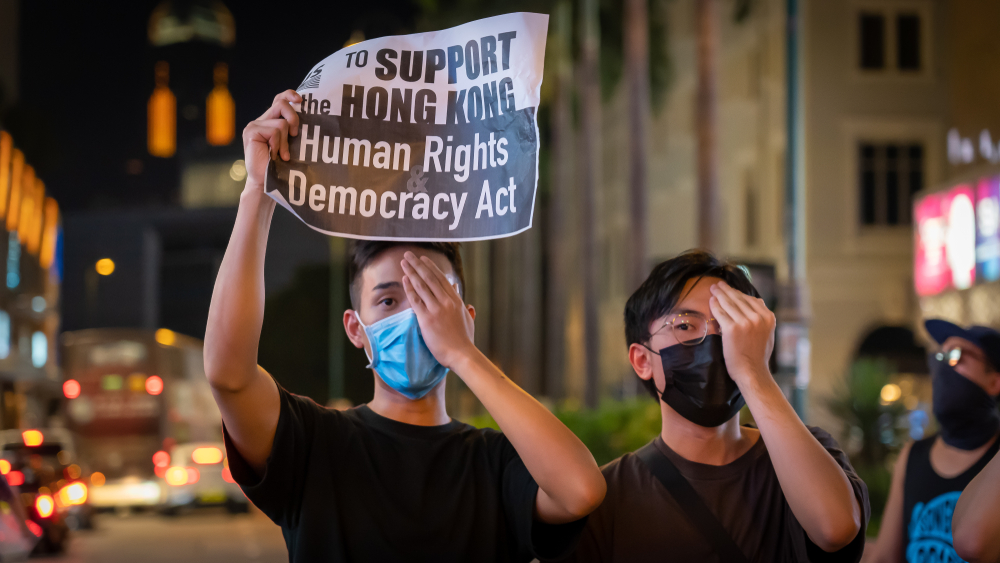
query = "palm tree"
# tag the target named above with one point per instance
(705, 115)
(590, 150)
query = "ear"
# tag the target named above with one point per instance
(355, 333)
(471, 310)
(993, 384)
(641, 361)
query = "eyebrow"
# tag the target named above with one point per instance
(387, 285)
(684, 312)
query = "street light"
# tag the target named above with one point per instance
(105, 266)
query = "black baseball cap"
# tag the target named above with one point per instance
(986, 338)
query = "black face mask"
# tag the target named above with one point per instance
(698, 385)
(967, 415)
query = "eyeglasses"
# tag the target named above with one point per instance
(953, 356)
(690, 329)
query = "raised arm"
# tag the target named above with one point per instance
(889, 546)
(246, 394)
(975, 525)
(570, 483)
(817, 489)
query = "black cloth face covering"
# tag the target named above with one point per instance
(968, 416)
(698, 386)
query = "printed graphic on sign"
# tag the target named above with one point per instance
(430, 136)
(988, 228)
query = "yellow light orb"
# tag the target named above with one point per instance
(105, 266)
(166, 336)
(891, 393)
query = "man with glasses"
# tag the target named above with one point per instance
(708, 489)
(931, 474)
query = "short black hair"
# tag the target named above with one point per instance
(364, 251)
(661, 291)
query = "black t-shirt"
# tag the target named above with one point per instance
(640, 521)
(356, 486)
(929, 502)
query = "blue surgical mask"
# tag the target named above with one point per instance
(400, 356)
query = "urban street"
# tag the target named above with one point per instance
(207, 536)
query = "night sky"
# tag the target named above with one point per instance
(87, 72)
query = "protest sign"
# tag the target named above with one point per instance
(430, 136)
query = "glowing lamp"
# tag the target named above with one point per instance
(105, 266)
(44, 505)
(50, 233)
(176, 476)
(73, 494)
(97, 479)
(16, 173)
(71, 388)
(6, 148)
(15, 478)
(165, 336)
(4, 467)
(206, 456)
(154, 385)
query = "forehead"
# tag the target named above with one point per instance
(385, 267)
(694, 297)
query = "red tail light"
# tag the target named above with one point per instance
(35, 528)
(227, 476)
(193, 475)
(15, 478)
(44, 505)
(154, 385)
(71, 388)
(161, 459)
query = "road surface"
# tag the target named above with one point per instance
(198, 537)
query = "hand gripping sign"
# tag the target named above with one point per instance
(430, 136)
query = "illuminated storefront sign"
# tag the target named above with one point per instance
(931, 273)
(957, 237)
(988, 229)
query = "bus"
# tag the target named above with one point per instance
(131, 393)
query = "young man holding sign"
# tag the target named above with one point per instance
(396, 479)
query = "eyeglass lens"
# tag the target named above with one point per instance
(953, 356)
(689, 329)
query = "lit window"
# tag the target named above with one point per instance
(13, 261)
(162, 115)
(888, 176)
(4, 334)
(39, 349)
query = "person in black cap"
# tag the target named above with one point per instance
(931, 474)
